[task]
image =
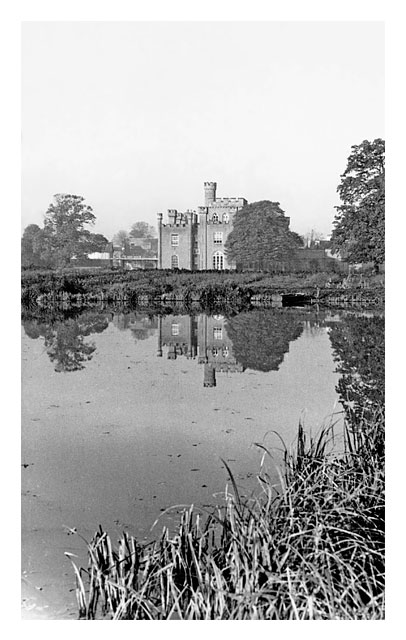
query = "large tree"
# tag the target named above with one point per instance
(31, 246)
(121, 239)
(65, 230)
(359, 225)
(96, 242)
(260, 236)
(142, 230)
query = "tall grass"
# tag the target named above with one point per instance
(313, 549)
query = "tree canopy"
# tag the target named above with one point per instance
(260, 235)
(64, 235)
(64, 227)
(31, 246)
(142, 230)
(359, 225)
(122, 239)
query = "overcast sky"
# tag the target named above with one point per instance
(135, 116)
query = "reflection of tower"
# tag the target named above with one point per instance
(203, 339)
(209, 379)
(159, 350)
(160, 217)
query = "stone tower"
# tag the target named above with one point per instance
(209, 193)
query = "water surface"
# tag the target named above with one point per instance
(118, 425)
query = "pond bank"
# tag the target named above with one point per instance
(209, 289)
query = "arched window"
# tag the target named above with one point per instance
(215, 217)
(226, 217)
(174, 262)
(218, 261)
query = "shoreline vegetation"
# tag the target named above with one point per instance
(81, 288)
(310, 549)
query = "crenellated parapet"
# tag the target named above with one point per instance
(177, 218)
(228, 202)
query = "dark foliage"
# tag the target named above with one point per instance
(359, 225)
(261, 338)
(359, 350)
(260, 236)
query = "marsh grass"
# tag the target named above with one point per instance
(312, 549)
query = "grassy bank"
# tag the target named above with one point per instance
(144, 287)
(313, 549)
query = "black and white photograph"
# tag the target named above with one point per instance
(202, 320)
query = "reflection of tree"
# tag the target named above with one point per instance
(64, 339)
(142, 333)
(261, 338)
(67, 347)
(141, 325)
(359, 350)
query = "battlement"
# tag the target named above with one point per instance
(228, 202)
(180, 219)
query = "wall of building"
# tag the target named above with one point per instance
(183, 249)
(207, 245)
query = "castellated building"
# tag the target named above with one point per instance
(195, 240)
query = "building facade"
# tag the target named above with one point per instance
(195, 240)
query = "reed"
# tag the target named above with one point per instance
(311, 549)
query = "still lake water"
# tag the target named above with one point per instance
(118, 425)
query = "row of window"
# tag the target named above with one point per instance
(218, 261)
(217, 238)
(225, 218)
(224, 352)
(217, 332)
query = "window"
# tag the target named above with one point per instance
(226, 217)
(196, 251)
(174, 239)
(218, 237)
(215, 351)
(174, 262)
(225, 352)
(218, 261)
(175, 329)
(217, 333)
(215, 218)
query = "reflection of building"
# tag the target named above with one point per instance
(178, 334)
(142, 326)
(196, 241)
(215, 347)
(204, 337)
